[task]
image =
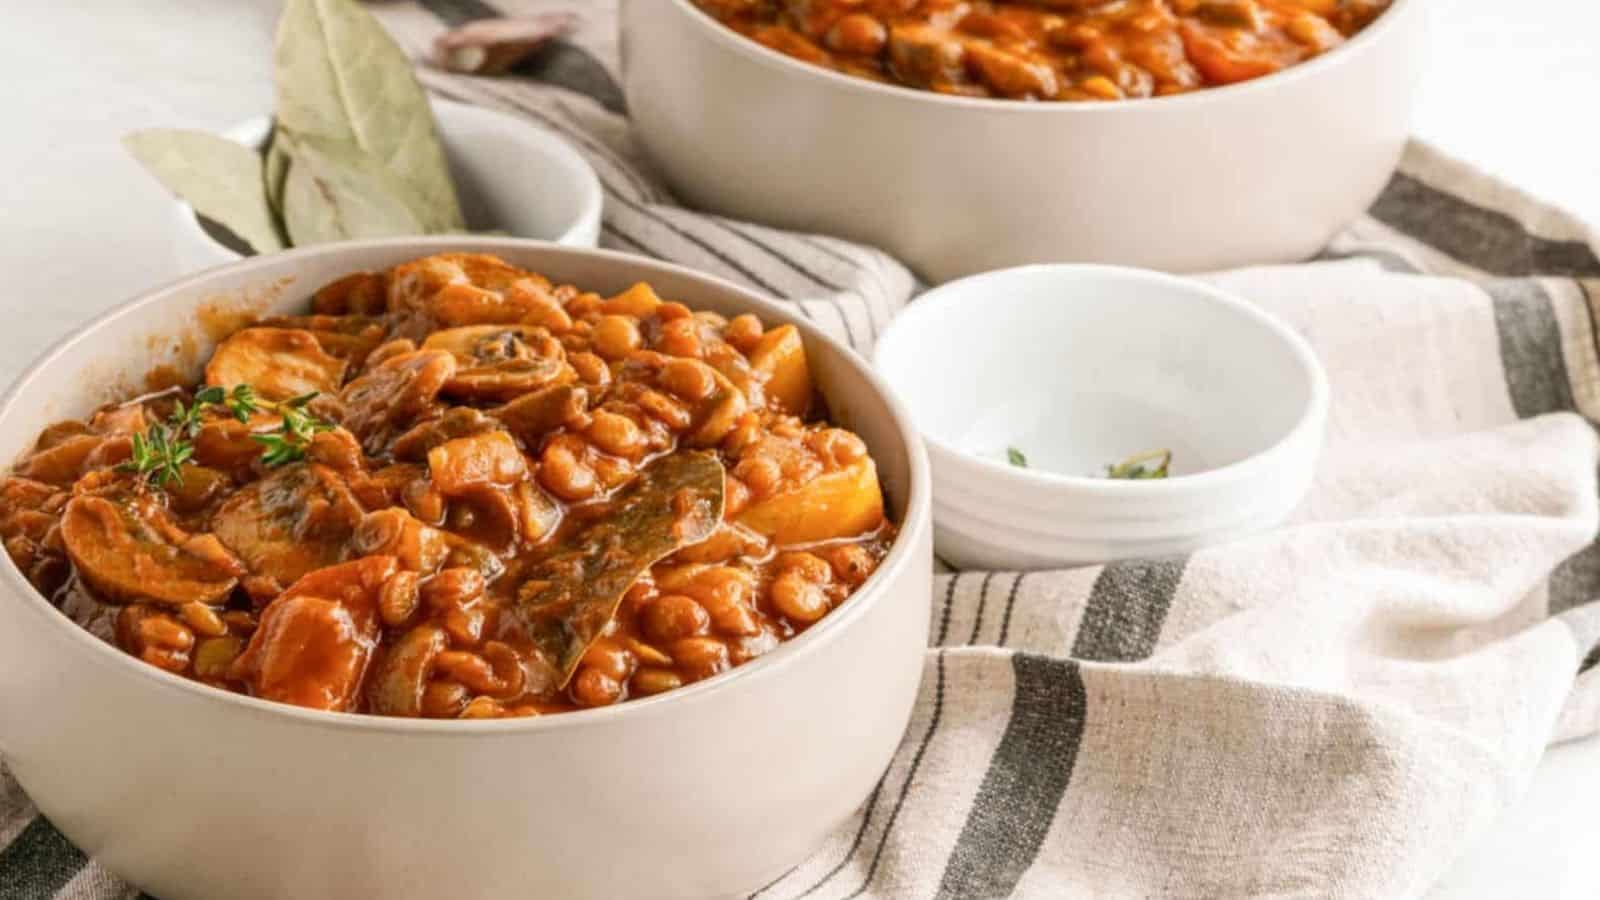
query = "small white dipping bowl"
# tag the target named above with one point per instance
(510, 175)
(1081, 366)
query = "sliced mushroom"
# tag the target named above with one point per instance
(391, 397)
(279, 363)
(457, 422)
(226, 443)
(488, 516)
(294, 521)
(62, 462)
(127, 550)
(129, 418)
(925, 56)
(362, 293)
(403, 673)
(498, 362)
(395, 532)
(350, 338)
(466, 289)
(316, 639)
(532, 416)
(718, 414)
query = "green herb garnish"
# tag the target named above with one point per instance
(1136, 468)
(1015, 457)
(288, 444)
(158, 454)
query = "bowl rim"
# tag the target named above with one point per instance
(967, 290)
(253, 130)
(767, 56)
(915, 528)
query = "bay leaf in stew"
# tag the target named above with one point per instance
(570, 597)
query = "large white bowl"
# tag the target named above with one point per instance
(1078, 367)
(707, 791)
(511, 176)
(1262, 171)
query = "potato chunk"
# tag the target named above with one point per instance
(279, 363)
(781, 357)
(842, 503)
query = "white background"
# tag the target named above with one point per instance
(1513, 86)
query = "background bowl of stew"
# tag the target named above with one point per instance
(1261, 171)
(709, 790)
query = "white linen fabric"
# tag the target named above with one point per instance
(1333, 709)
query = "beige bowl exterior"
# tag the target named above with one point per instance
(191, 792)
(1264, 171)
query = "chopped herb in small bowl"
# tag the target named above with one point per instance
(1139, 468)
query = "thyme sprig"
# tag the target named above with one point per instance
(288, 444)
(159, 453)
(1137, 468)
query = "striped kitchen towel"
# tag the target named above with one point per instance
(1334, 709)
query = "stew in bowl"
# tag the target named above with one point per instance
(1050, 49)
(454, 489)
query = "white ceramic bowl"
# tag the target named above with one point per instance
(707, 791)
(1078, 367)
(1262, 171)
(510, 174)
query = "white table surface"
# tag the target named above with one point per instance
(1512, 87)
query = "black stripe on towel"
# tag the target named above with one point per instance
(1028, 776)
(1530, 347)
(949, 604)
(1482, 238)
(38, 862)
(1126, 609)
(1576, 581)
(1590, 660)
(861, 832)
(983, 600)
(905, 788)
(1011, 602)
(806, 272)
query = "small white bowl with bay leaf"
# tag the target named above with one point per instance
(356, 150)
(1079, 414)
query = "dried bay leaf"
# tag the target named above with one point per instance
(333, 192)
(276, 168)
(341, 77)
(221, 179)
(568, 598)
